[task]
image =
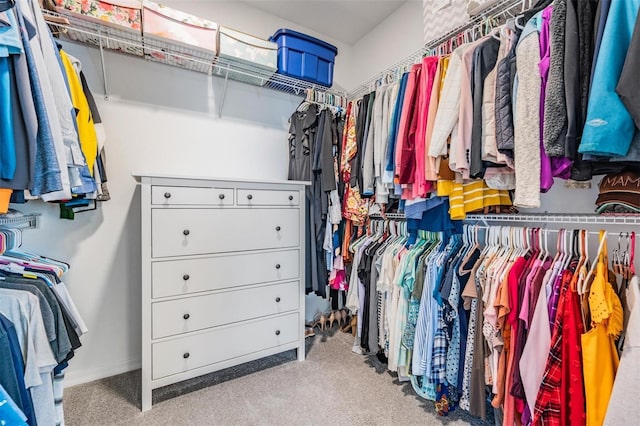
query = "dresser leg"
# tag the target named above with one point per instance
(146, 396)
(301, 352)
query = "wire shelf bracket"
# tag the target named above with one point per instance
(394, 216)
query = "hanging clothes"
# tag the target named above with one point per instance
(315, 152)
(9, 410)
(626, 88)
(607, 118)
(527, 118)
(621, 408)
(600, 356)
(41, 136)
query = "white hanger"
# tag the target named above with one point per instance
(603, 240)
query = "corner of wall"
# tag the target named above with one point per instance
(393, 39)
(74, 378)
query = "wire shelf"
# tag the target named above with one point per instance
(158, 49)
(582, 219)
(15, 221)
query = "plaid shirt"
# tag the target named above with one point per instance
(553, 300)
(547, 411)
(439, 365)
(561, 399)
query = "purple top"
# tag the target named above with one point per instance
(546, 177)
(556, 166)
(553, 300)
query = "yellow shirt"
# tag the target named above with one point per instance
(470, 196)
(84, 120)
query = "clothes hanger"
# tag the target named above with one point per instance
(514, 236)
(303, 106)
(486, 26)
(504, 252)
(617, 263)
(496, 33)
(583, 259)
(492, 243)
(544, 242)
(585, 237)
(599, 258)
(23, 255)
(632, 252)
(558, 254)
(519, 236)
(569, 250)
(524, 235)
(6, 259)
(465, 234)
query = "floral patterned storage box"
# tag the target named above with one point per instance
(246, 51)
(178, 38)
(120, 21)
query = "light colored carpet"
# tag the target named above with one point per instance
(333, 387)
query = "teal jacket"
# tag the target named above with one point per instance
(609, 128)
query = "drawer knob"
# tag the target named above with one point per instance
(167, 195)
(221, 196)
(277, 332)
(186, 232)
(186, 355)
(278, 266)
(290, 197)
(249, 197)
(186, 277)
(277, 300)
(186, 316)
(278, 228)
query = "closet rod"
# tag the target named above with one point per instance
(550, 231)
(585, 219)
(502, 6)
(324, 104)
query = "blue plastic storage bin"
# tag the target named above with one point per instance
(305, 57)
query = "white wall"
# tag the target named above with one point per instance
(392, 40)
(442, 16)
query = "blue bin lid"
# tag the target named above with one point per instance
(296, 34)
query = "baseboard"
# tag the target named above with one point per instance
(72, 378)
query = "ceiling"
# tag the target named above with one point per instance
(344, 20)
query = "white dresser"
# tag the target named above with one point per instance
(222, 274)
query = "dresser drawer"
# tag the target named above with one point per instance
(176, 277)
(179, 195)
(179, 232)
(220, 344)
(200, 312)
(267, 197)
